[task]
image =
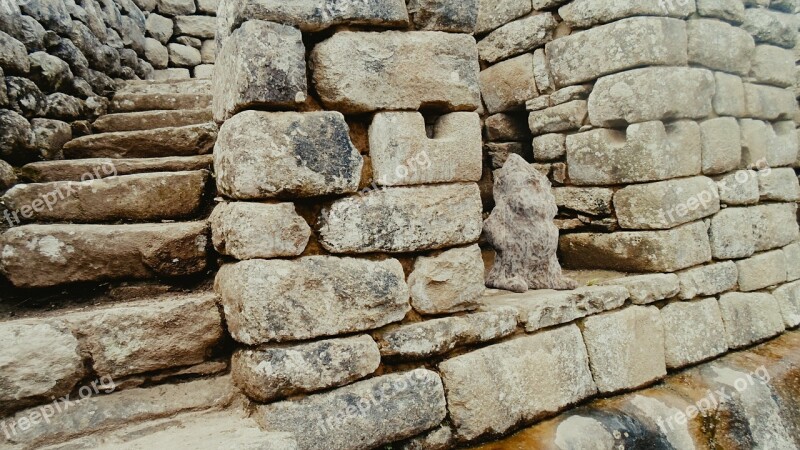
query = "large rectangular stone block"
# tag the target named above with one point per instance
(626, 44)
(666, 204)
(357, 72)
(564, 117)
(732, 233)
(750, 318)
(648, 151)
(788, 297)
(775, 225)
(655, 93)
(406, 219)
(782, 151)
(517, 37)
(495, 13)
(646, 289)
(284, 300)
(638, 251)
(509, 84)
(249, 230)
(586, 13)
(769, 102)
(771, 27)
(722, 145)
(773, 65)
(779, 185)
(493, 389)
(762, 270)
(720, 46)
(729, 95)
(710, 279)
(693, 332)
(728, 10)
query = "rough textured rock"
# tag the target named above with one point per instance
(16, 138)
(402, 154)
(769, 102)
(728, 10)
(549, 147)
(666, 204)
(197, 26)
(517, 37)
(362, 72)
(783, 149)
(495, 13)
(176, 7)
(563, 117)
(732, 233)
(445, 15)
(265, 374)
(788, 297)
(729, 96)
(33, 345)
(719, 46)
(156, 53)
(491, 390)
(448, 281)
(722, 148)
(739, 188)
(498, 153)
(508, 84)
(779, 185)
(183, 55)
(178, 141)
(142, 197)
(50, 137)
(85, 169)
(586, 13)
(159, 27)
(593, 201)
(25, 98)
(761, 271)
(693, 332)
(522, 232)
(258, 230)
(626, 348)
(771, 27)
(773, 65)
(792, 253)
(65, 107)
(74, 253)
(404, 219)
(646, 289)
(750, 318)
(363, 415)
(775, 225)
(626, 44)
(49, 72)
(638, 251)
(260, 64)
(146, 120)
(261, 155)
(506, 127)
(711, 279)
(14, 59)
(7, 176)
(260, 298)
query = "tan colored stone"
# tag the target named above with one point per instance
(779, 185)
(173, 141)
(738, 188)
(710, 279)
(732, 233)
(693, 332)
(246, 230)
(507, 85)
(750, 318)
(769, 102)
(517, 37)
(761, 271)
(722, 146)
(563, 117)
(775, 225)
(586, 13)
(146, 120)
(729, 95)
(507, 127)
(719, 46)
(98, 168)
(646, 289)
(792, 253)
(773, 65)
(788, 297)
(493, 14)
(549, 147)
(666, 204)
(447, 282)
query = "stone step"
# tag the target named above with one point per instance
(193, 86)
(169, 101)
(140, 197)
(148, 120)
(35, 256)
(97, 168)
(171, 141)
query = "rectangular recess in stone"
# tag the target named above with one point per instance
(402, 154)
(666, 204)
(586, 13)
(403, 219)
(357, 72)
(626, 44)
(262, 64)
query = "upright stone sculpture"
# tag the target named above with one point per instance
(522, 231)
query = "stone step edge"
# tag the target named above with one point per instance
(98, 168)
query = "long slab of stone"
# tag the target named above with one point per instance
(148, 120)
(587, 13)
(125, 102)
(517, 37)
(176, 141)
(666, 204)
(97, 168)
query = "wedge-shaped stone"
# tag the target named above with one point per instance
(399, 220)
(779, 185)
(438, 336)
(638, 251)
(711, 279)
(267, 373)
(262, 155)
(517, 37)
(98, 168)
(773, 65)
(363, 415)
(141, 197)
(402, 154)
(491, 390)
(362, 72)
(720, 46)
(771, 27)
(148, 120)
(626, 44)
(666, 204)
(626, 348)
(761, 271)
(645, 152)
(280, 300)
(260, 64)
(148, 335)
(178, 141)
(124, 102)
(247, 230)
(693, 332)
(448, 281)
(586, 13)
(788, 297)
(40, 360)
(496, 13)
(655, 93)
(769, 102)
(646, 289)
(507, 85)
(750, 318)
(50, 255)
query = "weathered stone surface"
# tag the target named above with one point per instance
(447, 282)
(197, 26)
(732, 233)
(362, 72)
(183, 55)
(546, 308)
(146, 120)
(491, 390)
(728, 10)
(739, 188)
(563, 117)
(757, 137)
(775, 225)
(648, 151)
(769, 102)
(626, 348)
(48, 255)
(750, 318)
(438, 336)
(25, 98)
(719, 46)
(14, 59)
(148, 335)
(638, 251)
(729, 95)
(549, 147)
(498, 153)
(783, 149)
(156, 53)
(788, 297)
(85, 169)
(260, 64)
(722, 147)
(31, 346)
(517, 37)
(508, 84)
(586, 13)
(761, 271)
(363, 415)
(771, 27)
(541, 72)
(626, 44)
(522, 232)
(496, 13)
(507, 127)
(779, 185)
(49, 72)
(7, 176)
(141, 197)
(655, 93)
(260, 298)
(208, 6)
(444, 15)
(261, 155)
(258, 230)
(50, 137)
(208, 52)
(16, 138)
(773, 65)
(693, 332)
(666, 204)
(436, 439)
(405, 219)
(173, 141)
(710, 279)
(204, 71)
(176, 7)
(177, 74)
(646, 289)
(593, 201)
(792, 253)
(159, 27)
(265, 374)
